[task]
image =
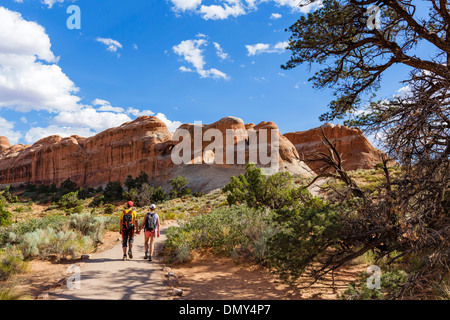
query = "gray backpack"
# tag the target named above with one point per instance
(150, 222)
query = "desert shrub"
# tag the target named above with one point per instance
(5, 215)
(98, 201)
(88, 225)
(69, 200)
(179, 187)
(68, 186)
(8, 196)
(258, 190)
(130, 195)
(113, 191)
(9, 290)
(307, 232)
(390, 285)
(109, 209)
(146, 195)
(11, 263)
(136, 183)
(222, 230)
(21, 228)
(49, 242)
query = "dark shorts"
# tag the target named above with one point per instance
(127, 237)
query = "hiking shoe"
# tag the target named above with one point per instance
(124, 257)
(149, 258)
(130, 254)
(146, 255)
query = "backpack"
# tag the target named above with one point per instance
(127, 221)
(150, 222)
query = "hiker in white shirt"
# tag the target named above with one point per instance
(151, 230)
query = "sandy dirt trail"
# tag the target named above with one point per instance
(106, 277)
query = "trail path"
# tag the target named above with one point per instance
(106, 277)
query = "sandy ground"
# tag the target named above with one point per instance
(106, 276)
(220, 278)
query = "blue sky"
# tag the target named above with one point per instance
(182, 60)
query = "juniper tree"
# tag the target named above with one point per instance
(411, 215)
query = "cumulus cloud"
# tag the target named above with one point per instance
(30, 78)
(37, 133)
(192, 53)
(171, 125)
(255, 49)
(91, 118)
(7, 130)
(217, 12)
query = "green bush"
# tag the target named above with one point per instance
(109, 209)
(69, 201)
(11, 263)
(68, 186)
(223, 230)
(258, 190)
(49, 242)
(88, 225)
(113, 191)
(306, 234)
(179, 188)
(5, 215)
(390, 285)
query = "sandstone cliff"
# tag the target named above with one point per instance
(355, 150)
(144, 144)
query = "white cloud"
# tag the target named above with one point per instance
(111, 44)
(219, 51)
(275, 16)
(255, 49)
(184, 5)
(295, 5)
(106, 106)
(7, 130)
(91, 118)
(171, 125)
(184, 69)
(223, 9)
(37, 133)
(30, 79)
(139, 113)
(215, 12)
(201, 35)
(50, 3)
(192, 53)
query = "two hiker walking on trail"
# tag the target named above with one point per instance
(129, 224)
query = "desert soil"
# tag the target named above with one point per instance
(105, 276)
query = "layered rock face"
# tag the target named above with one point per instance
(355, 150)
(144, 144)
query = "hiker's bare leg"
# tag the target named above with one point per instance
(152, 245)
(146, 244)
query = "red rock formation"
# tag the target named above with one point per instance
(144, 144)
(356, 151)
